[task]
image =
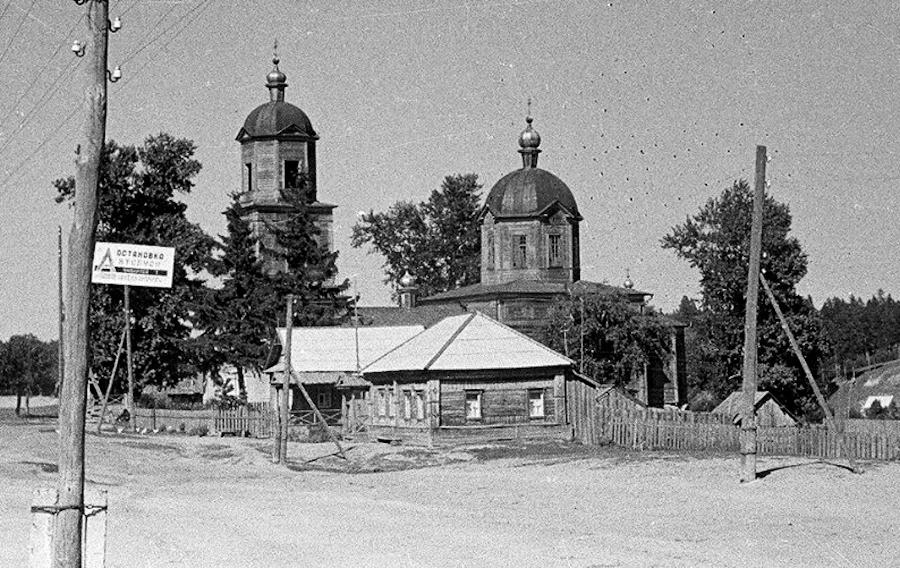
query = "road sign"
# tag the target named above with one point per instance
(133, 265)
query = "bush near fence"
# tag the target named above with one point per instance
(256, 421)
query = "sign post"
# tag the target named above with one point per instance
(132, 265)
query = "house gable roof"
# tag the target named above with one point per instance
(468, 342)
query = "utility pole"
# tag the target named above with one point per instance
(67, 537)
(129, 360)
(286, 380)
(60, 355)
(748, 410)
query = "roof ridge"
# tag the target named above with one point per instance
(450, 340)
(522, 335)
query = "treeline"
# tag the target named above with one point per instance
(28, 367)
(861, 333)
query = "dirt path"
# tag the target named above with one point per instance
(204, 502)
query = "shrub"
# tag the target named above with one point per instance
(201, 430)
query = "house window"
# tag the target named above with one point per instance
(291, 173)
(420, 405)
(490, 251)
(554, 252)
(407, 405)
(323, 399)
(249, 167)
(473, 405)
(382, 403)
(520, 251)
(536, 403)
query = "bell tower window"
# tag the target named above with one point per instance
(249, 168)
(520, 251)
(554, 251)
(490, 251)
(291, 173)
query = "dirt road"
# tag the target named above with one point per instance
(219, 502)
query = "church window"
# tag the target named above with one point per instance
(520, 252)
(490, 251)
(291, 173)
(249, 167)
(554, 251)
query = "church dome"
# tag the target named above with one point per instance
(528, 192)
(276, 117)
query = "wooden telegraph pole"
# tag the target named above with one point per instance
(748, 414)
(67, 543)
(60, 355)
(286, 381)
(129, 361)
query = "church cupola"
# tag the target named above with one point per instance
(277, 81)
(529, 141)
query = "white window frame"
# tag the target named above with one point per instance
(474, 411)
(538, 410)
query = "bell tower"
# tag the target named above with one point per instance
(278, 151)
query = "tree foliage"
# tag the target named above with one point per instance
(618, 339)
(716, 241)
(28, 367)
(138, 204)
(862, 333)
(438, 241)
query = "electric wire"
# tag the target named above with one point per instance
(18, 29)
(35, 77)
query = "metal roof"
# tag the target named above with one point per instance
(468, 342)
(324, 349)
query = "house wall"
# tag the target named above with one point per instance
(503, 401)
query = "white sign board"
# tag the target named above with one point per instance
(134, 265)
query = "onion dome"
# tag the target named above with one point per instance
(277, 117)
(529, 137)
(628, 284)
(530, 191)
(407, 280)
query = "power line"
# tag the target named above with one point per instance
(18, 29)
(186, 20)
(36, 76)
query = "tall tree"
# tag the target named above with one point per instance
(716, 241)
(438, 241)
(27, 367)
(309, 266)
(617, 339)
(139, 187)
(238, 319)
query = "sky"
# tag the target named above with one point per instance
(646, 110)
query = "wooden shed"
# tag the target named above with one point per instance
(468, 378)
(769, 412)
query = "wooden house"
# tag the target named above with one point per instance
(769, 411)
(325, 359)
(468, 378)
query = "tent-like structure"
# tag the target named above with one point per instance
(769, 411)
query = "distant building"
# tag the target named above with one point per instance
(875, 391)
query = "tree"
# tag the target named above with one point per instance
(618, 339)
(28, 367)
(863, 333)
(716, 241)
(138, 205)
(309, 267)
(438, 241)
(237, 319)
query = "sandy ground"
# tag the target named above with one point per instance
(219, 502)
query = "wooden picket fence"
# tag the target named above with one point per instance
(255, 421)
(602, 415)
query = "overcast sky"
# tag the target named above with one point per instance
(646, 110)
